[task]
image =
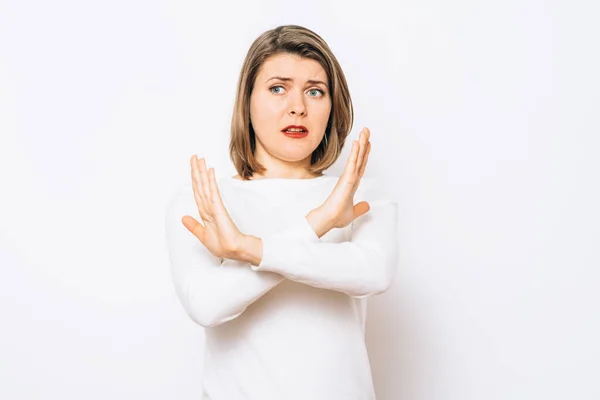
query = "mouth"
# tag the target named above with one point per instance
(295, 131)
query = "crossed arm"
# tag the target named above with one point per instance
(214, 290)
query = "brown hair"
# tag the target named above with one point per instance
(297, 40)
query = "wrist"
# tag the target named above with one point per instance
(249, 250)
(320, 222)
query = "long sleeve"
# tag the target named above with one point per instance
(213, 291)
(364, 266)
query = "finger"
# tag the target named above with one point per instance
(351, 163)
(204, 181)
(193, 226)
(361, 208)
(205, 188)
(361, 171)
(363, 139)
(196, 185)
(198, 188)
(215, 194)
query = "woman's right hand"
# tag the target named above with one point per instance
(219, 234)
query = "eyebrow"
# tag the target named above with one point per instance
(310, 81)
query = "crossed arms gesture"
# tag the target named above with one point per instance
(222, 238)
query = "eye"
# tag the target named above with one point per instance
(275, 87)
(321, 93)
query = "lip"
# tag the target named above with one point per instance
(305, 129)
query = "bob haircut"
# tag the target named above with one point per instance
(296, 40)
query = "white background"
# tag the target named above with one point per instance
(484, 121)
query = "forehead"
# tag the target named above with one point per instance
(292, 66)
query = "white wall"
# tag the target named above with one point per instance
(484, 119)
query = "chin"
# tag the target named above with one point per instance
(295, 149)
(293, 157)
(293, 154)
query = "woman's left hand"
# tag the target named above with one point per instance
(339, 206)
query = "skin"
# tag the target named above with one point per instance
(274, 105)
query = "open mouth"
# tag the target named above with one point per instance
(295, 131)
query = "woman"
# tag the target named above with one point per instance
(280, 269)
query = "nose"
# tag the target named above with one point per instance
(297, 106)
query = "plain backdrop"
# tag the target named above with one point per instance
(484, 122)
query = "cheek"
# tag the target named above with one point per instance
(322, 112)
(264, 108)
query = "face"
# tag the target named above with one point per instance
(289, 90)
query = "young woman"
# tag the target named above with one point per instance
(280, 269)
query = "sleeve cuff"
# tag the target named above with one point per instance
(271, 248)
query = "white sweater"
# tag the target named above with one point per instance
(293, 326)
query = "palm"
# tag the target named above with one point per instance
(222, 233)
(340, 204)
(212, 240)
(219, 234)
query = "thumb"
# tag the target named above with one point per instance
(193, 226)
(361, 208)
